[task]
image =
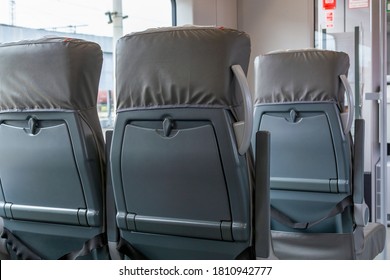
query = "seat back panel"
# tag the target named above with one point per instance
(292, 156)
(26, 179)
(190, 189)
(309, 164)
(316, 131)
(159, 192)
(60, 208)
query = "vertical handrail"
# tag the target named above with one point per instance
(174, 12)
(361, 212)
(383, 113)
(262, 206)
(357, 73)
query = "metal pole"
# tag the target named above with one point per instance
(12, 11)
(383, 113)
(357, 73)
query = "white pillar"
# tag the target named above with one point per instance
(117, 24)
(117, 20)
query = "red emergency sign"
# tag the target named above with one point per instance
(329, 4)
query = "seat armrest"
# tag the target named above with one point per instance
(361, 211)
(262, 195)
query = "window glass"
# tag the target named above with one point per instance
(159, 13)
(72, 16)
(85, 16)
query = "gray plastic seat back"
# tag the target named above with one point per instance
(317, 189)
(51, 152)
(181, 187)
(299, 99)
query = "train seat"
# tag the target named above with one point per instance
(51, 150)
(180, 181)
(316, 168)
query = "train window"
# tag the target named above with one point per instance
(89, 20)
(159, 13)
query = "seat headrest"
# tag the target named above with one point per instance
(300, 76)
(49, 74)
(179, 67)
